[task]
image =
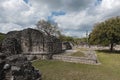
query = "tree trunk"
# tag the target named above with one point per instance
(111, 46)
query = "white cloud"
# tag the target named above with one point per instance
(85, 19)
(67, 5)
(80, 14)
(5, 27)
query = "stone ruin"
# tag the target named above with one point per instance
(10, 46)
(35, 43)
(67, 45)
(17, 67)
(21, 46)
(14, 65)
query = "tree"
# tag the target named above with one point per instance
(105, 33)
(65, 38)
(48, 28)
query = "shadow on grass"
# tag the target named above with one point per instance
(109, 52)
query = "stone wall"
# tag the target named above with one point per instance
(34, 41)
(53, 44)
(17, 67)
(10, 46)
(89, 58)
(14, 65)
(31, 40)
(75, 59)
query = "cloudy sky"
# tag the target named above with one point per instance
(74, 17)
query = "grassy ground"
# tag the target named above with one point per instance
(58, 70)
(78, 54)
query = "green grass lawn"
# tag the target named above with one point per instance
(58, 70)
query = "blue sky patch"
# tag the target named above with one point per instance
(98, 2)
(55, 13)
(26, 1)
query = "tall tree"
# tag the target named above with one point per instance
(47, 27)
(107, 32)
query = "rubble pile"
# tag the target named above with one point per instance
(17, 67)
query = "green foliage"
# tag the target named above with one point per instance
(2, 36)
(80, 41)
(83, 39)
(105, 33)
(66, 38)
(74, 40)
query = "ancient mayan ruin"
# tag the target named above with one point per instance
(19, 47)
(34, 43)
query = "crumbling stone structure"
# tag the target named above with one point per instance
(14, 65)
(10, 46)
(53, 44)
(34, 42)
(67, 45)
(17, 67)
(2, 63)
(17, 48)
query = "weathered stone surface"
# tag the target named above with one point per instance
(31, 57)
(14, 65)
(53, 44)
(30, 41)
(33, 41)
(22, 69)
(2, 63)
(17, 67)
(10, 46)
